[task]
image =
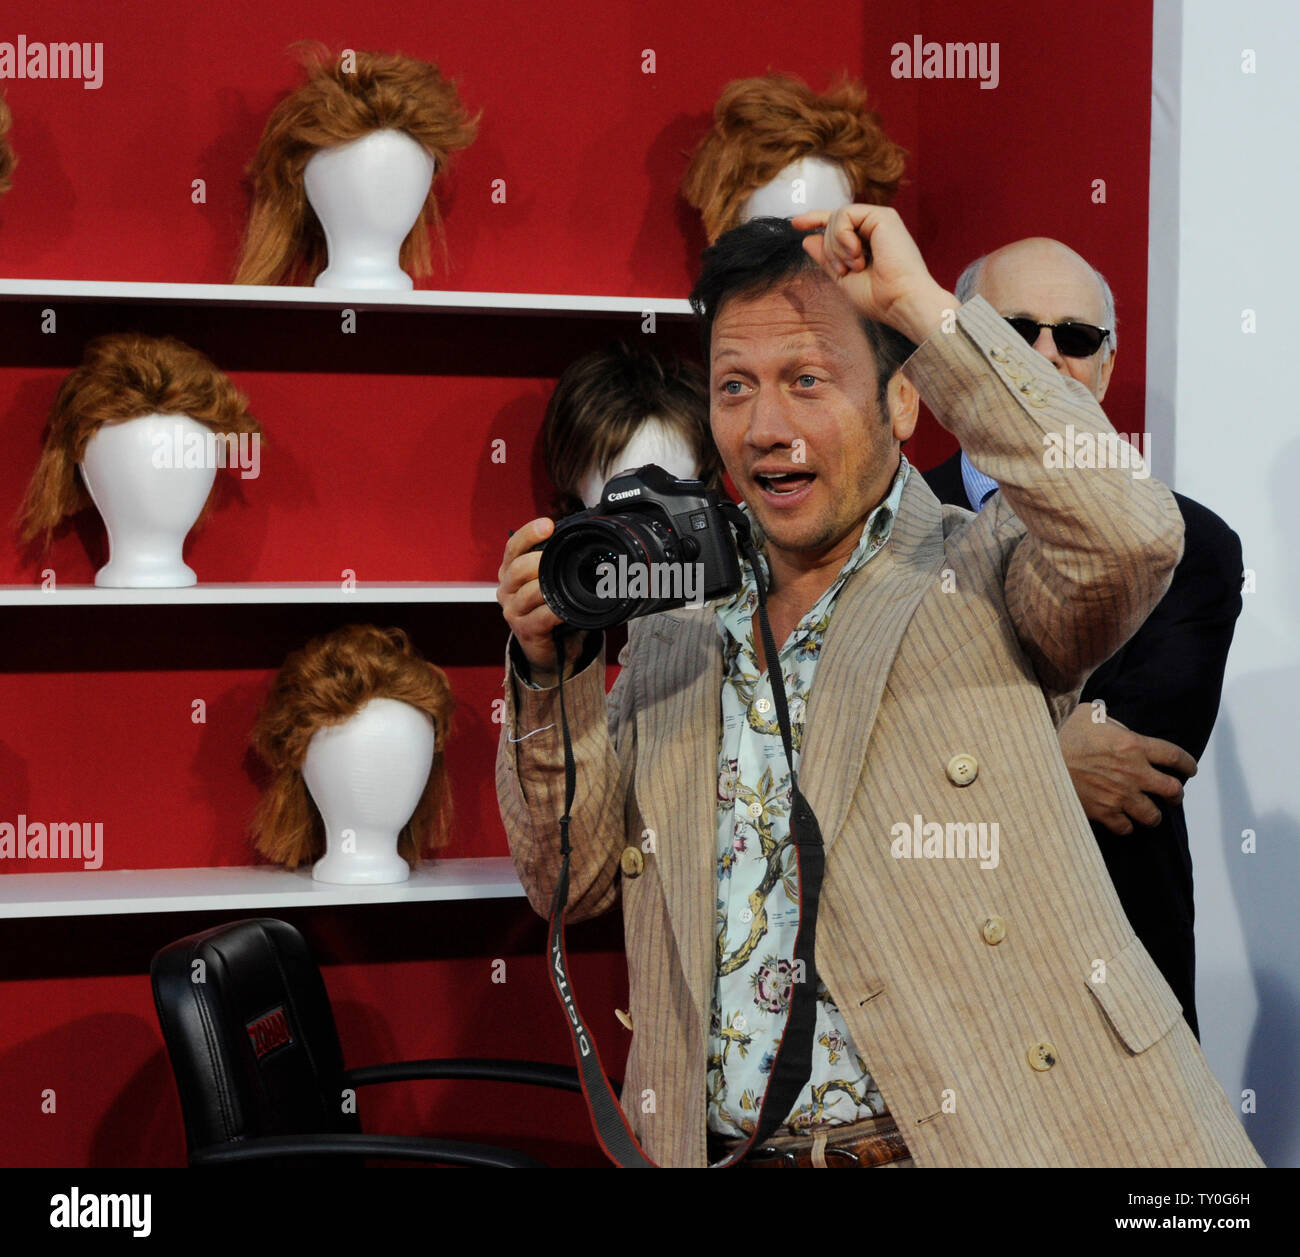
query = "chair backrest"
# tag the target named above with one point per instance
(251, 1034)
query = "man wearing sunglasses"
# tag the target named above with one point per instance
(1145, 715)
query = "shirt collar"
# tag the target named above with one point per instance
(735, 613)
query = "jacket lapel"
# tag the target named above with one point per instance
(866, 628)
(679, 712)
(679, 718)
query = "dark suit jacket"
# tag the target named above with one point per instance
(1164, 682)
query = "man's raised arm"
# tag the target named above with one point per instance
(1099, 545)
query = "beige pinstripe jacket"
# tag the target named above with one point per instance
(1058, 1045)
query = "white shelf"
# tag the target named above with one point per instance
(251, 592)
(336, 298)
(105, 893)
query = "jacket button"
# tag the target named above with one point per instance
(963, 769)
(995, 930)
(624, 1016)
(1042, 1056)
(632, 861)
(1000, 353)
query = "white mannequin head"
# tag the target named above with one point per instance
(367, 194)
(353, 729)
(621, 407)
(147, 500)
(343, 101)
(653, 442)
(764, 126)
(137, 430)
(366, 777)
(811, 183)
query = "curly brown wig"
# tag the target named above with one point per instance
(343, 99)
(762, 125)
(8, 159)
(124, 375)
(326, 683)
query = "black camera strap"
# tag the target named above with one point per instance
(792, 1065)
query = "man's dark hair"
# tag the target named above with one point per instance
(761, 255)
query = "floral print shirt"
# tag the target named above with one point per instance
(758, 902)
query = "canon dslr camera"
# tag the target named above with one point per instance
(654, 542)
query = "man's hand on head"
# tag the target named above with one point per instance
(1115, 771)
(874, 261)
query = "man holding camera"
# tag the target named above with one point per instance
(981, 1003)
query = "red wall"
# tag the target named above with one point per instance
(377, 454)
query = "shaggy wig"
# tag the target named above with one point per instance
(7, 158)
(326, 683)
(762, 125)
(125, 375)
(601, 401)
(284, 242)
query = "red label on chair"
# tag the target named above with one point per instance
(269, 1032)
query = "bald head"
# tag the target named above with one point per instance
(1048, 282)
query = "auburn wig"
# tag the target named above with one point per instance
(125, 375)
(762, 125)
(326, 683)
(344, 99)
(7, 158)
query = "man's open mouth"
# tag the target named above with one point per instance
(784, 484)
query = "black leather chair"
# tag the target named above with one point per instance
(256, 1056)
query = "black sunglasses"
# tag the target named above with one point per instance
(1074, 340)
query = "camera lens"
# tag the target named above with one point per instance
(583, 568)
(584, 565)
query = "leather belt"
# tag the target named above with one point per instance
(870, 1142)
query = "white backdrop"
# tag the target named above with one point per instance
(1223, 407)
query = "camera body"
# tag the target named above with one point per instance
(653, 543)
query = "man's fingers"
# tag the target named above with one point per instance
(520, 545)
(846, 243)
(1169, 755)
(523, 600)
(536, 624)
(524, 569)
(513, 589)
(841, 245)
(1167, 787)
(526, 537)
(814, 247)
(1116, 822)
(839, 248)
(1145, 812)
